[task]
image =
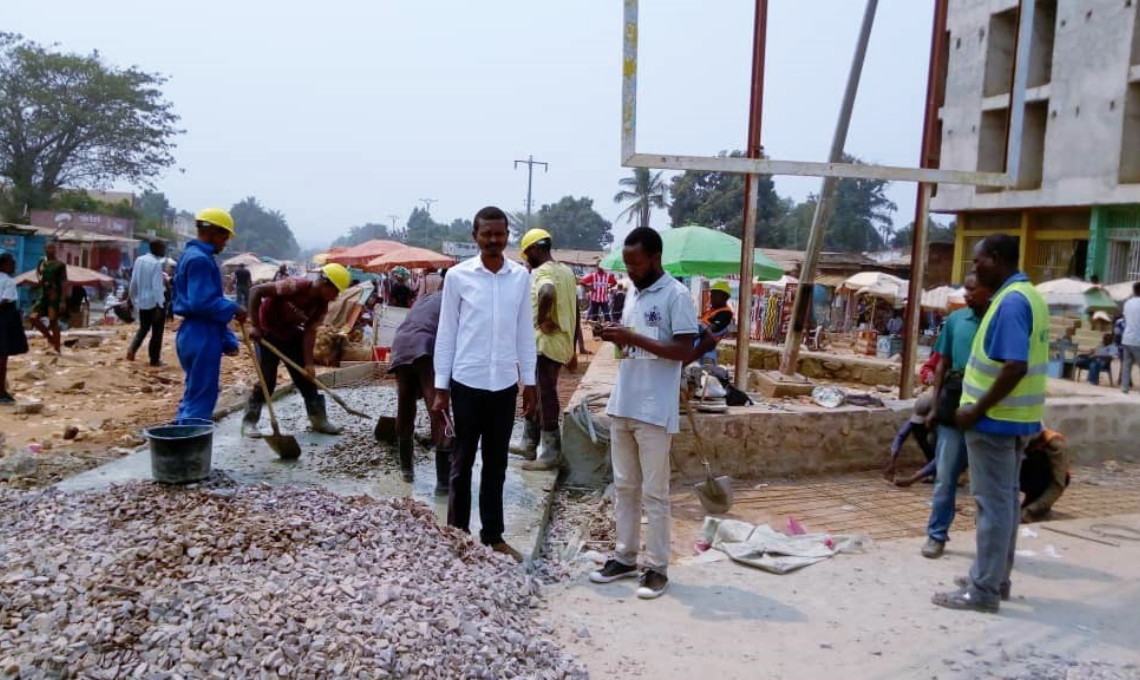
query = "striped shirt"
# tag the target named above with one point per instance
(599, 284)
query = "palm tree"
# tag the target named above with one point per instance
(643, 192)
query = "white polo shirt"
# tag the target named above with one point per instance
(648, 387)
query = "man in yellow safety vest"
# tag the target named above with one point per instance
(1003, 401)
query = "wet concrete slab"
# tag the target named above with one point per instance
(350, 464)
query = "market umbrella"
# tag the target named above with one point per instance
(248, 259)
(944, 298)
(1120, 291)
(362, 254)
(875, 280)
(699, 251)
(76, 275)
(1075, 295)
(262, 272)
(408, 256)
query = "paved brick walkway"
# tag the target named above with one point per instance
(865, 503)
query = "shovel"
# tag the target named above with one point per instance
(715, 493)
(315, 380)
(284, 445)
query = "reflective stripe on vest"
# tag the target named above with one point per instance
(1026, 403)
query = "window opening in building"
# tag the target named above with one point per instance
(1135, 60)
(991, 144)
(1000, 48)
(1123, 260)
(1033, 145)
(1041, 47)
(1130, 140)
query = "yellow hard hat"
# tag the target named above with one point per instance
(216, 217)
(337, 275)
(722, 286)
(532, 237)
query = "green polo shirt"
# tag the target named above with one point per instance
(957, 338)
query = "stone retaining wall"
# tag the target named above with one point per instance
(791, 439)
(818, 365)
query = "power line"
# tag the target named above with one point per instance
(530, 163)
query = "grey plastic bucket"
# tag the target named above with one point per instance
(180, 452)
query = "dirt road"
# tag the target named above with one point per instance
(869, 615)
(95, 403)
(97, 398)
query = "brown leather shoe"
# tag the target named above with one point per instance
(504, 548)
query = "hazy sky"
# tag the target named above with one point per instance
(339, 113)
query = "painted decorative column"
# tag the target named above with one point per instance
(1098, 243)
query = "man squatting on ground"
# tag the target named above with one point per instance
(287, 314)
(657, 334)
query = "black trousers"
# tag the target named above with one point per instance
(480, 415)
(269, 361)
(150, 321)
(599, 311)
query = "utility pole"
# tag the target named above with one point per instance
(823, 209)
(393, 218)
(530, 163)
(427, 203)
(751, 196)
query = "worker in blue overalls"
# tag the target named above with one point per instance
(205, 333)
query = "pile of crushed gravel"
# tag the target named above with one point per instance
(231, 581)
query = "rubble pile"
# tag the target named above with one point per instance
(252, 581)
(581, 534)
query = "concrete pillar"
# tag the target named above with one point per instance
(957, 272)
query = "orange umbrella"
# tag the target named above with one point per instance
(359, 255)
(76, 275)
(411, 257)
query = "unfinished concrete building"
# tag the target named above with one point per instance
(1077, 208)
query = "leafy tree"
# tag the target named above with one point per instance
(424, 232)
(573, 223)
(262, 231)
(521, 224)
(861, 214)
(792, 229)
(155, 213)
(364, 232)
(716, 200)
(643, 191)
(74, 120)
(81, 201)
(936, 233)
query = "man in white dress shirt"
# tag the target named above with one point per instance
(148, 292)
(484, 346)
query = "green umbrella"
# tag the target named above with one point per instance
(699, 251)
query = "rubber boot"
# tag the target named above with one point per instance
(318, 420)
(528, 446)
(551, 453)
(442, 472)
(407, 470)
(250, 419)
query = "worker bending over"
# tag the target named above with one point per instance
(288, 314)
